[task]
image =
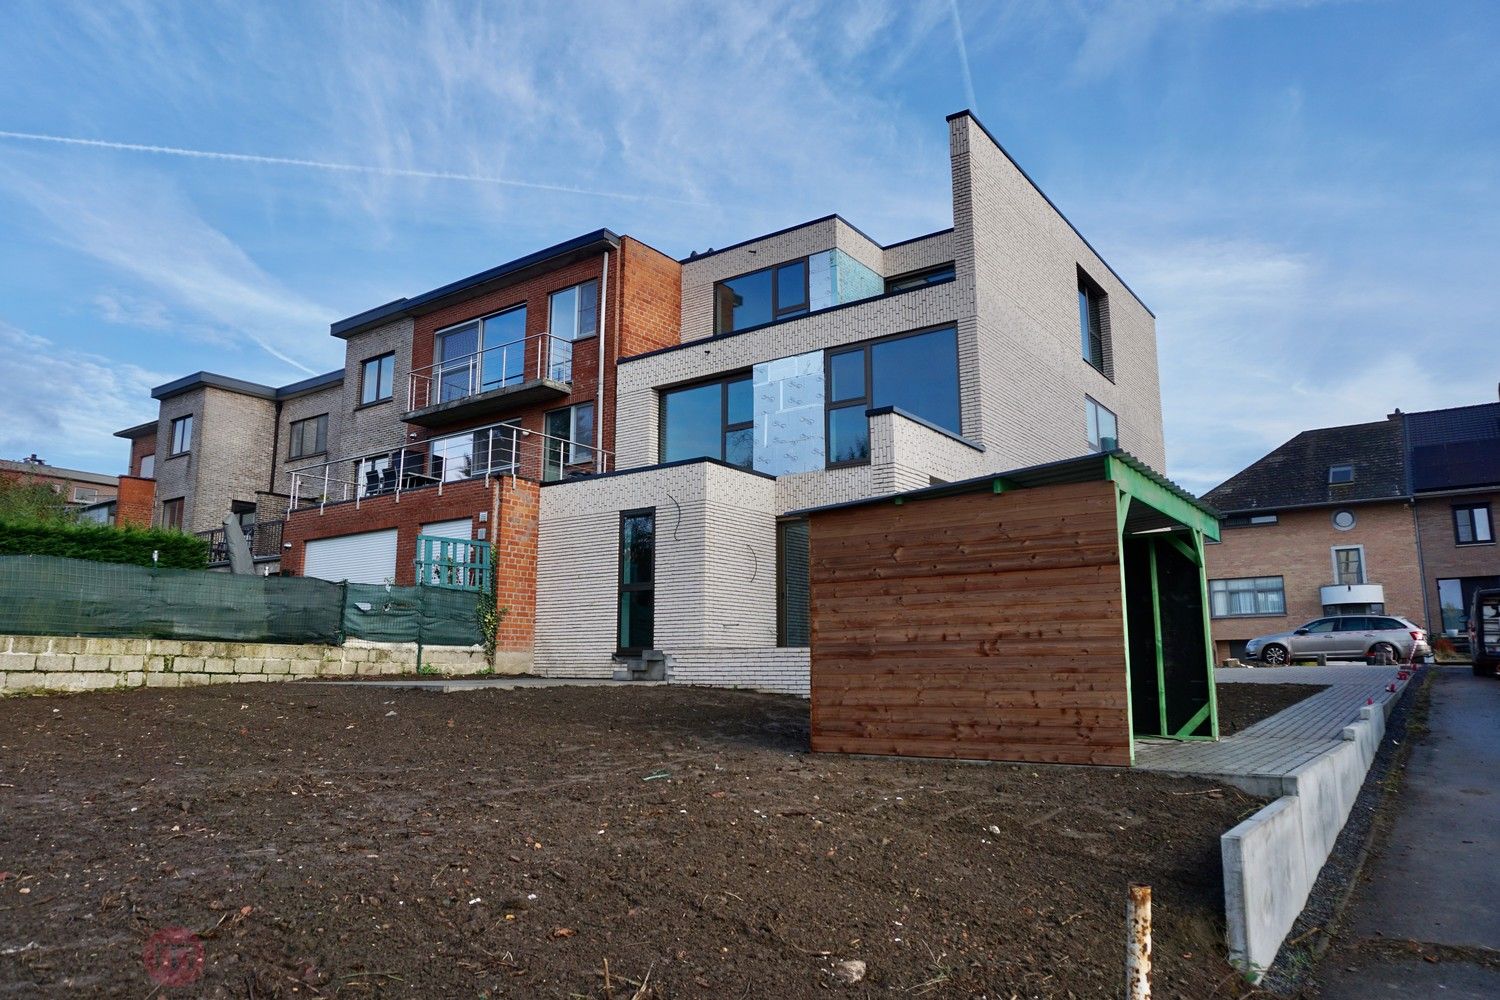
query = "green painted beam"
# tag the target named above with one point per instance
(1208, 636)
(1191, 554)
(1158, 497)
(1161, 663)
(1194, 722)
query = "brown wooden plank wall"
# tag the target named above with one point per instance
(974, 626)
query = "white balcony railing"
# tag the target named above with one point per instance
(502, 449)
(499, 367)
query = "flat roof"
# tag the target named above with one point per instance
(213, 380)
(1083, 469)
(511, 271)
(139, 430)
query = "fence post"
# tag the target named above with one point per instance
(339, 634)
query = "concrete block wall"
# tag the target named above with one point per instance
(1272, 859)
(39, 664)
(784, 670)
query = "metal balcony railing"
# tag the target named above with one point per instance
(502, 449)
(541, 356)
(264, 538)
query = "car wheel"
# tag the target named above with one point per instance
(1384, 652)
(1274, 655)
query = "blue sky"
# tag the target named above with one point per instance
(1305, 193)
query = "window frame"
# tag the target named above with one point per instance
(179, 505)
(1255, 590)
(294, 437)
(92, 491)
(778, 312)
(1364, 569)
(922, 278)
(364, 371)
(725, 427)
(1094, 323)
(783, 604)
(1469, 509)
(622, 588)
(576, 448)
(1340, 482)
(577, 304)
(1091, 409)
(868, 399)
(140, 468)
(186, 420)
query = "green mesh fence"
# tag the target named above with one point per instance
(432, 616)
(48, 595)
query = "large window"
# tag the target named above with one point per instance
(760, 297)
(490, 450)
(481, 355)
(1093, 322)
(1103, 428)
(1472, 525)
(917, 279)
(1249, 596)
(182, 435)
(637, 604)
(1349, 565)
(171, 513)
(793, 620)
(376, 379)
(917, 373)
(574, 315)
(308, 437)
(710, 420)
(570, 440)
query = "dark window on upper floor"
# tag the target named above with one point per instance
(377, 379)
(1340, 475)
(182, 436)
(915, 372)
(1472, 524)
(709, 420)
(570, 441)
(916, 279)
(1093, 323)
(1103, 427)
(171, 513)
(308, 437)
(1250, 520)
(772, 293)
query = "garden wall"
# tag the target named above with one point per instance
(41, 664)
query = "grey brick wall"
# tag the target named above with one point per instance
(379, 426)
(229, 459)
(330, 400)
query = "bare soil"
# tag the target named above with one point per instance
(1242, 705)
(355, 841)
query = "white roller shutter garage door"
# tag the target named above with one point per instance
(450, 529)
(369, 557)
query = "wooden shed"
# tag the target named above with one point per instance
(1049, 614)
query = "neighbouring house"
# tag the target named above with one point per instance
(80, 490)
(624, 439)
(1381, 518)
(1453, 461)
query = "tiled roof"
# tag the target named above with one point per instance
(1454, 448)
(1296, 474)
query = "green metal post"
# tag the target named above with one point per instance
(1208, 637)
(1161, 666)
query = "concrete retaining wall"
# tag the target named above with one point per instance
(39, 664)
(1272, 859)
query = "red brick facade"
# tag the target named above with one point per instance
(135, 503)
(139, 448)
(1299, 549)
(1443, 557)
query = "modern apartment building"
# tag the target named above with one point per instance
(630, 438)
(1388, 517)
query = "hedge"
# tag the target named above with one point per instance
(102, 543)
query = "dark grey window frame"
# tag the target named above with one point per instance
(1340, 482)
(573, 445)
(936, 275)
(1097, 447)
(364, 372)
(778, 312)
(1469, 509)
(784, 638)
(180, 505)
(866, 401)
(1098, 325)
(1256, 591)
(725, 427)
(294, 437)
(187, 444)
(622, 588)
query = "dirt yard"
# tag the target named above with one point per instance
(310, 841)
(1242, 705)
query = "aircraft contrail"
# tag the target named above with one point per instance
(963, 56)
(352, 168)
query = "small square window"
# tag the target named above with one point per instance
(1339, 475)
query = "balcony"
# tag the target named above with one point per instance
(1345, 594)
(501, 449)
(264, 538)
(535, 369)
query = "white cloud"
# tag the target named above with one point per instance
(141, 227)
(67, 404)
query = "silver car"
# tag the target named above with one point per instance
(1343, 637)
